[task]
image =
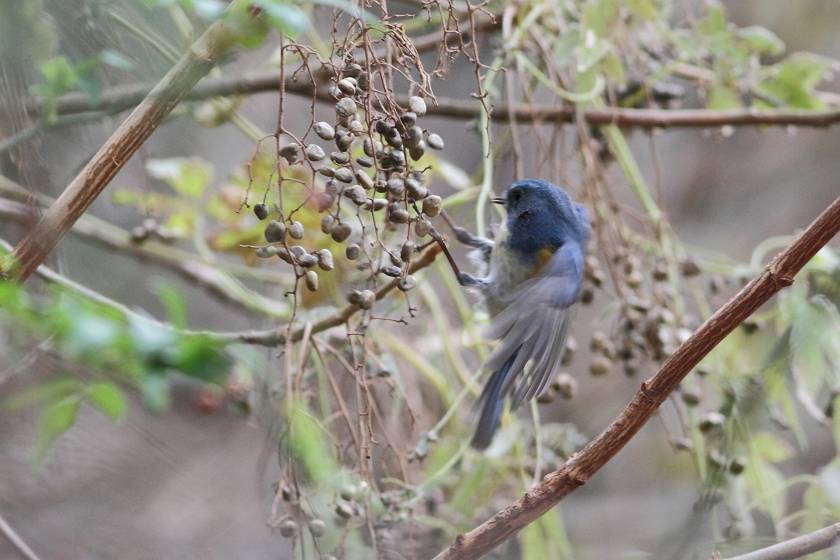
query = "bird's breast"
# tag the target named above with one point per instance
(509, 269)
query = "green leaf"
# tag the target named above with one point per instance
(116, 59)
(309, 445)
(155, 392)
(760, 40)
(600, 15)
(200, 357)
(723, 97)
(794, 80)
(771, 448)
(176, 307)
(108, 398)
(59, 75)
(187, 176)
(44, 393)
(645, 9)
(53, 423)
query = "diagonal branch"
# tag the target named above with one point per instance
(796, 547)
(653, 392)
(119, 148)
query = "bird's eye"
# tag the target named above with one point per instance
(514, 196)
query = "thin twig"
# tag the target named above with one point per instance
(796, 547)
(653, 392)
(17, 542)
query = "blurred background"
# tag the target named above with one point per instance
(197, 478)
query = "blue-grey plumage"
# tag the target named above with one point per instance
(533, 278)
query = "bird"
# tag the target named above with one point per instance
(532, 275)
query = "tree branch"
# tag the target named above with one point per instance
(582, 465)
(119, 148)
(116, 99)
(796, 547)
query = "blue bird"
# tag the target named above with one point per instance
(532, 277)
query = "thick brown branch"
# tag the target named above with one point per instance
(582, 465)
(796, 547)
(119, 148)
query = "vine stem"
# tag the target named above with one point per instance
(647, 400)
(796, 547)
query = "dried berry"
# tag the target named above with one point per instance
(356, 194)
(325, 259)
(275, 231)
(407, 283)
(737, 465)
(434, 141)
(363, 179)
(376, 204)
(352, 252)
(398, 215)
(396, 188)
(265, 252)
(139, 234)
(408, 118)
(296, 230)
(288, 529)
(317, 527)
(345, 108)
(356, 127)
(314, 152)
(418, 151)
(364, 161)
(352, 70)
(307, 260)
(344, 175)
(565, 385)
(711, 421)
(327, 171)
(340, 232)
(260, 211)
(341, 158)
(690, 396)
(689, 268)
(363, 298)
(415, 189)
(291, 153)
(347, 86)
(311, 280)
(327, 223)
(422, 227)
(417, 105)
(344, 510)
(406, 250)
(390, 270)
(343, 140)
(600, 365)
(325, 131)
(432, 205)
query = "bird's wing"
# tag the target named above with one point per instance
(534, 324)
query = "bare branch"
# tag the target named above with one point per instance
(653, 392)
(119, 148)
(17, 542)
(796, 547)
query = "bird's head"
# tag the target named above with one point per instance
(541, 215)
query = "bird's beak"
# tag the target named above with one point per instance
(497, 200)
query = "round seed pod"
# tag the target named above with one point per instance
(546, 397)
(352, 70)
(344, 510)
(366, 299)
(352, 252)
(407, 250)
(275, 231)
(416, 190)
(364, 179)
(396, 188)
(308, 260)
(407, 283)
(376, 204)
(324, 130)
(283, 254)
(314, 152)
(569, 351)
(311, 280)
(334, 92)
(417, 105)
(139, 234)
(418, 151)
(390, 270)
(364, 161)
(409, 118)
(711, 421)
(394, 139)
(565, 385)
(634, 279)
(344, 175)
(260, 211)
(317, 527)
(356, 127)
(432, 205)
(600, 366)
(341, 158)
(265, 252)
(325, 259)
(434, 141)
(343, 140)
(422, 227)
(737, 465)
(296, 230)
(298, 251)
(288, 529)
(413, 136)
(690, 396)
(332, 187)
(340, 232)
(327, 222)
(384, 128)
(327, 171)
(660, 272)
(689, 268)
(398, 215)
(363, 81)
(355, 194)
(345, 109)
(368, 147)
(291, 153)
(347, 86)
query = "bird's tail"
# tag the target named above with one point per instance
(491, 401)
